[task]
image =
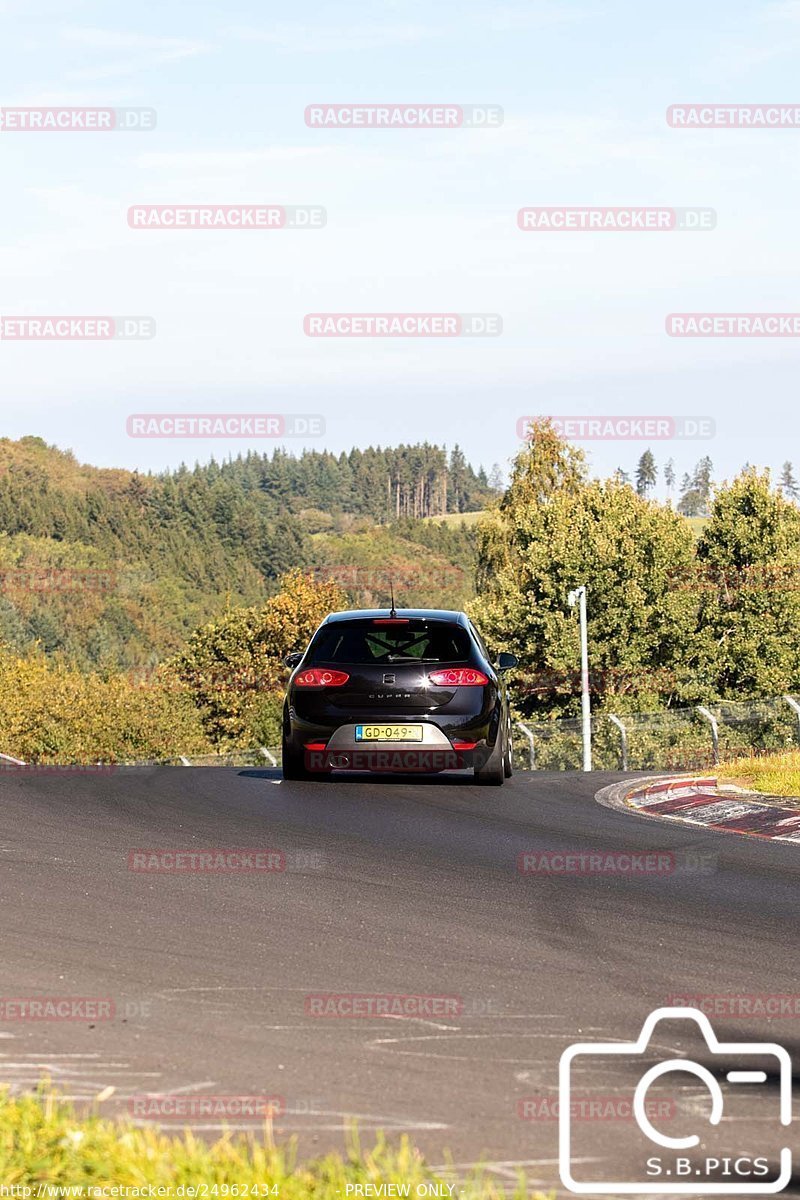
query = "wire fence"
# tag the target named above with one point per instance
(682, 739)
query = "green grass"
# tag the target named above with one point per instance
(44, 1141)
(772, 774)
(469, 518)
(697, 524)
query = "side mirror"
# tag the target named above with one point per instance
(506, 661)
(293, 659)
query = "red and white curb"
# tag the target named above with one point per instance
(703, 801)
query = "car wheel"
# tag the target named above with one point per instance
(292, 765)
(492, 772)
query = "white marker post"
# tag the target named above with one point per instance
(579, 594)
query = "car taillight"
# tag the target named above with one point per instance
(316, 677)
(458, 677)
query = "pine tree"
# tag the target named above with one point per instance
(703, 478)
(646, 473)
(496, 480)
(669, 478)
(788, 482)
(458, 480)
(695, 498)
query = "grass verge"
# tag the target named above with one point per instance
(43, 1141)
(773, 774)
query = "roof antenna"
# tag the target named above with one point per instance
(393, 612)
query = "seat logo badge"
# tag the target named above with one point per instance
(388, 679)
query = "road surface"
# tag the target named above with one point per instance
(390, 888)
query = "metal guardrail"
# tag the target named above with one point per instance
(233, 758)
(623, 738)
(712, 720)
(531, 744)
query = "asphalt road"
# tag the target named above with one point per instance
(390, 888)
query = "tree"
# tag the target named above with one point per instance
(458, 480)
(788, 482)
(138, 492)
(622, 476)
(233, 666)
(646, 473)
(554, 530)
(51, 713)
(702, 478)
(749, 611)
(496, 480)
(669, 478)
(696, 490)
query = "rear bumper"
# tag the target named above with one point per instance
(435, 752)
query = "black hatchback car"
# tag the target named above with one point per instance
(405, 690)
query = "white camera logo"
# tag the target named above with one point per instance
(698, 1186)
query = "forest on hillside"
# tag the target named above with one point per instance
(111, 569)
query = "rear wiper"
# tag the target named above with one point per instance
(408, 658)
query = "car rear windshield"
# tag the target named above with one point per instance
(365, 642)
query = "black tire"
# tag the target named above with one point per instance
(492, 772)
(508, 766)
(292, 765)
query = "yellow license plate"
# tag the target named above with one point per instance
(388, 733)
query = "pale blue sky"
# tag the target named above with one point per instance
(417, 221)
